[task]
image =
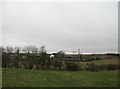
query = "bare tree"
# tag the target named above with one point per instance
(26, 49)
(30, 49)
(43, 49)
(16, 49)
(60, 54)
(34, 49)
(9, 49)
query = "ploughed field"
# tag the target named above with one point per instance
(52, 78)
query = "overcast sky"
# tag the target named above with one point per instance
(67, 26)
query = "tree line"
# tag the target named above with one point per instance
(30, 57)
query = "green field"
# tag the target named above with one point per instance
(100, 62)
(47, 78)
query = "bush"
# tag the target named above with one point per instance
(102, 67)
(34, 67)
(72, 66)
(92, 67)
(109, 67)
(112, 67)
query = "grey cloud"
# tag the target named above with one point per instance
(66, 26)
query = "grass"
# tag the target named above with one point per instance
(100, 62)
(47, 78)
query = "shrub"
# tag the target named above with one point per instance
(57, 64)
(92, 67)
(109, 67)
(102, 67)
(34, 67)
(73, 66)
(112, 67)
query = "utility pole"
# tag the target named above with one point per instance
(79, 55)
(73, 55)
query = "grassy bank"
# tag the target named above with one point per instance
(100, 62)
(46, 78)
